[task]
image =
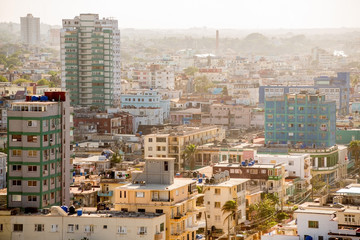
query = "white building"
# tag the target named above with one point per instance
(30, 30)
(3, 159)
(95, 225)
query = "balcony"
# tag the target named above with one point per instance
(105, 194)
(158, 236)
(161, 200)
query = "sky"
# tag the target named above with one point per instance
(179, 14)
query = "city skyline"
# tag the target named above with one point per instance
(258, 14)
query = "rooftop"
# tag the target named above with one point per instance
(178, 183)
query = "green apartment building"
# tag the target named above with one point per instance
(90, 61)
(39, 152)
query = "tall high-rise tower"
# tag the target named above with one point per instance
(90, 60)
(30, 30)
(39, 151)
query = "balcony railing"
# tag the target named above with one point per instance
(105, 194)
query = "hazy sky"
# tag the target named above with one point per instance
(242, 14)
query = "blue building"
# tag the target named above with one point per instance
(334, 88)
(300, 120)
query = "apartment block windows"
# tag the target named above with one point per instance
(32, 123)
(16, 182)
(122, 230)
(142, 230)
(313, 224)
(32, 138)
(16, 167)
(140, 194)
(32, 198)
(166, 166)
(349, 218)
(217, 191)
(18, 227)
(32, 168)
(32, 183)
(16, 138)
(39, 227)
(217, 204)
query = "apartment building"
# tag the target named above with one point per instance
(171, 142)
(269, 178)
(39, 139)
(229, 116)
(30, 30)
(300, 120)
(216, 194)
(3, 159)
(299, 173)
(87, 224)
(156, 190)
(90, 61)
(334, 88)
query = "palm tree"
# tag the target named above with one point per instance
(189, 155)
(354, 148)
(230, 207)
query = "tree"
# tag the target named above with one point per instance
(55, 78)
(3, 79)
(224, 91)
(263, 213)
(202, 84)
(116, 158)
(21, 80)
(44, 82)
(354, 148)
(189, 155)
(191, 71)
(354, 80)
(230, 207)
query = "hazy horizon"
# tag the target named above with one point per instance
(187, 14)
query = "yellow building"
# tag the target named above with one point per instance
(171, 142)
(156, 190)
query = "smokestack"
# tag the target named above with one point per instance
(217, 41)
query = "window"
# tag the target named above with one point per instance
(54, 228)
(124, 209)
(141, 210)
(105, 227)
(217, 218)
(349, 218)
(32, 168)
(291, 163)
(140, 194)
(166, 166)
(159, 211)
(217, 204)
(89, 228)
(18, 227)
(45, 138)
(313, 224)
(39, 227)
(32, 123)
(32, 183)
(162, 227)
(32, 138)
(160, 139)
(16, 167)
(32, 153)
(217, 191)
(16, 198)
(122, 230)
(321, 238)
(16, 138)
(70, 228)
(1, 227)
(150, 148)
(142, 230)
(16, 182)
(16, 153)
(150, 139)
(52, 195)
(32, 198)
